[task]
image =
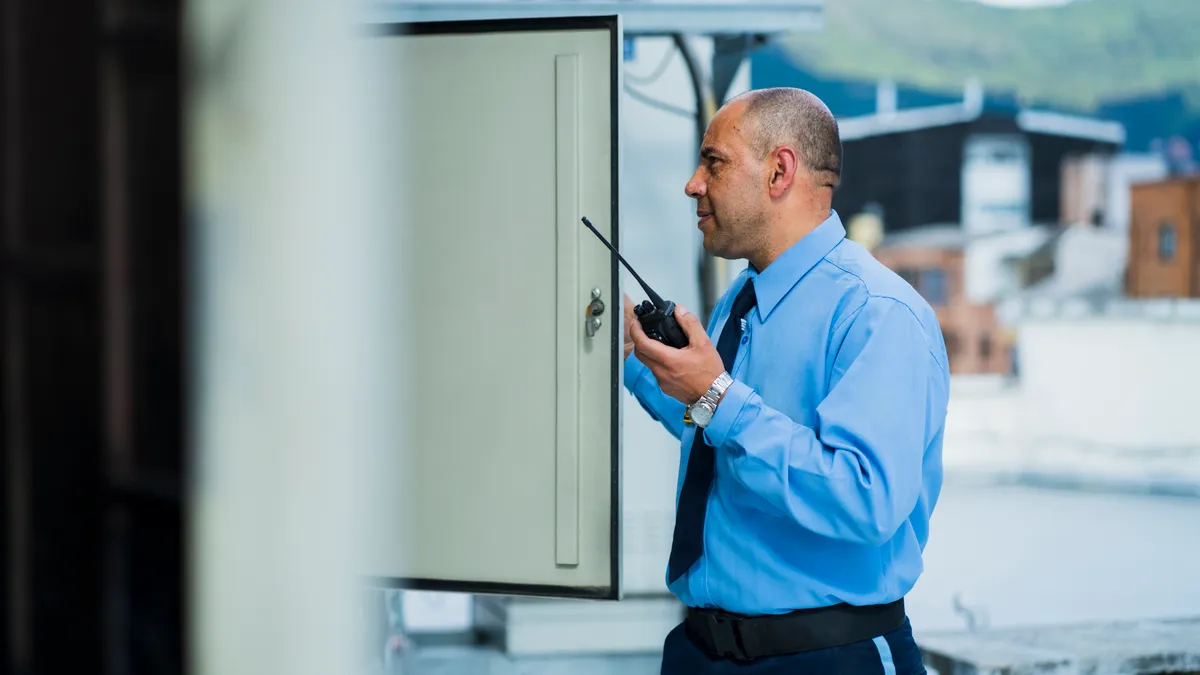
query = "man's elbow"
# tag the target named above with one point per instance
(878, 533)
(861, 527)
(868, 515)
(878, 524)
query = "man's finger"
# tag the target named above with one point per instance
(640, 339)
(637, 334)
(690, 323)
(645, 345)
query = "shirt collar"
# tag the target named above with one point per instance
(786, 271)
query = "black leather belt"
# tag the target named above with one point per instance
(744, 638)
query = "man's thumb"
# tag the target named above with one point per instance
(689, 322)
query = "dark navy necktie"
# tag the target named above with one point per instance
(688, 543)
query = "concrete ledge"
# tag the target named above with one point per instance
(524, 627)
(1077, 480)
(1120, 648)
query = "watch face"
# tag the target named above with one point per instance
(701, 415)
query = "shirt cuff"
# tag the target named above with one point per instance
(727, 414)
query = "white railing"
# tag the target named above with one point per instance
(1157, 309)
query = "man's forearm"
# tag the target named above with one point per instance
(641, 383)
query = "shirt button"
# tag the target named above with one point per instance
(745, 340)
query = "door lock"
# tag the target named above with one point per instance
(594, 309)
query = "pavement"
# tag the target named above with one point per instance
(461, 660)
(1117, 648)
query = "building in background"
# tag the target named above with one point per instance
(990, 168)
(933, 259)
(1164, 239)
(1083, 189)
(1128, 169)
(1107, 338)
(974, 202)
(1079, 262)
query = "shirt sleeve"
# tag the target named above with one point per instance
(856, 477)
(640, 382)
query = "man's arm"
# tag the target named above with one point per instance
(641, 383)
(857, 477)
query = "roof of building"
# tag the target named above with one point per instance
(638, 17)
(1017, 243)
(1030, 121)
(1089, 263)
(945, 236)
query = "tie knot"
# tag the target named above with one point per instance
(744, 301)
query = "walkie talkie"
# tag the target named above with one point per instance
(656, 315)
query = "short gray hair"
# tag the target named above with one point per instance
(790, 116)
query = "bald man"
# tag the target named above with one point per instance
(810, 421)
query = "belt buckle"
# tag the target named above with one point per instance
(725, 635)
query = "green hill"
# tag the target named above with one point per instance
(1072, 56)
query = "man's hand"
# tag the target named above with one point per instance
(630, 319)
(683, 374)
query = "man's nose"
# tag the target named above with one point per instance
(695, 187)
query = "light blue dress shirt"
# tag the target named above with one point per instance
(829, 441)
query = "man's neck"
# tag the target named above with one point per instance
(784, 234)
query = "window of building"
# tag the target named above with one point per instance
(1167, 242)
(985, 347)
(909, 275)
(951, 343)
(933, 286)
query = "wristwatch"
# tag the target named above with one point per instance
(702, 411)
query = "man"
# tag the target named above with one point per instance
(811, 421)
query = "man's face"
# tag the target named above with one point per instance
(729, 186)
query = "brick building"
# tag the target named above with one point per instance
(932, 259)
(1164, 239)
(988, 169)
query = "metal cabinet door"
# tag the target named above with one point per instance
(505, 136)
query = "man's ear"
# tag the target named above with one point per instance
(784, 165)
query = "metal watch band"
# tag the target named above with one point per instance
(709, 400)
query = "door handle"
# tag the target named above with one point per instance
(594, 309)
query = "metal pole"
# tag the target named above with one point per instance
(711, 270)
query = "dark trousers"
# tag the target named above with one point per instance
(895, 653)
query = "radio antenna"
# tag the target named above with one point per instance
(654, 297)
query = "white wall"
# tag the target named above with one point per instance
(658, 233)
(1127, 382)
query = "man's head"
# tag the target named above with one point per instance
(769, 156)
